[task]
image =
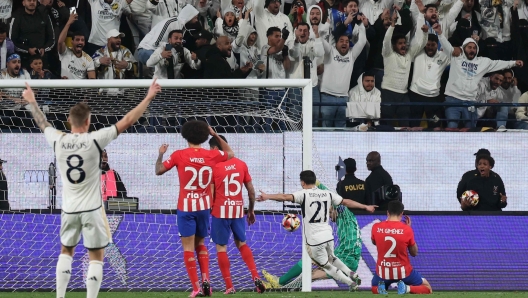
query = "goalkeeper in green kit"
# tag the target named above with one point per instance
(348, 249)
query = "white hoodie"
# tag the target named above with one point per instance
(247, 53)
(160, 33)
(428, 70)
(465, 74)
(362, 103)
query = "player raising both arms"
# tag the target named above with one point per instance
(393, 238)
(228, 215)
(79, 158)
(195, 172)
(315, 205)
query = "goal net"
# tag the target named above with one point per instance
(266, 122)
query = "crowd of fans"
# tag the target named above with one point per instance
(361, 52)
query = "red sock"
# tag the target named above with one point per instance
(420, 290)
(375, 290)
(203, 260)
(223, 263)
(247, 256)
(190, 264)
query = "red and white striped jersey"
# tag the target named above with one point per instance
(229, 178)
(195, 172)
(392, 239)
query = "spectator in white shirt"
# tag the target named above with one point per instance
(168, 59)
(6, 6)
(489, 91)
(162, 9)
(338, 67)
(308, 44)
(364, 99)
(267, 14)
(106, 15)
(228, 25)
(465, 73)
(115, 61)
(397, 59)
(14, 71)
(429, 65)
(245, 46)
(188, 15)
(75, 63)
(509, 87)
(275, 58)
(521, 113)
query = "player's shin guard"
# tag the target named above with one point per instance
(63, 274)
(419, 290)
(223, 263)
(94, 278)
(190, 264)
(247, 256)
(203, 260)
(336, 274)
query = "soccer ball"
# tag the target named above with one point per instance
(471, 196)
(291, 222)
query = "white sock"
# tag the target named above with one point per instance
(63, 274)
(341, 266)
(337, 274)
(94, 279)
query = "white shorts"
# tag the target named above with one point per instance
(92, 224)
(322, 253)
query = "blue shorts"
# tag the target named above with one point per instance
(222, 227)
(193, 223)
(414, 279)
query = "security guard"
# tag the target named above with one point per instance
(4, 203)
(351, 187)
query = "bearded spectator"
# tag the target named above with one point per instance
(267, 15)
(75, 63)
(115, 61)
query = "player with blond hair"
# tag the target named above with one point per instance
(79, 159)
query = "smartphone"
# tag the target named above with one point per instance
(257, 64)
(73, 10)
(168, 47)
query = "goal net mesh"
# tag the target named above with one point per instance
(263, 126)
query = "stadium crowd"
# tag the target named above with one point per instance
(360, 52)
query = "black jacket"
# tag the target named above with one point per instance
(352, 188)
(4, 202)
(489, 190)
(462, 185)
(32, 31)
(377, 178)
(217, 67)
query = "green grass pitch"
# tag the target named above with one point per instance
(322, 294)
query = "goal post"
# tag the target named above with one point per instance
(255, 108)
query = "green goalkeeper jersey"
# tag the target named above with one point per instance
(349, 244)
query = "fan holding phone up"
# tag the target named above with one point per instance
(169, 58)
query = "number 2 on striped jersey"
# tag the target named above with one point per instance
(389, 253)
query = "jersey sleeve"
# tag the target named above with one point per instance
(374, 228)
(298, 197)
(247, 176)
(52, 135)
(171, 161)
(104, 136)
(336, 199)
(219, 156)
(411, 237)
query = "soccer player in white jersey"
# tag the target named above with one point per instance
(315, 207)
(79, 157)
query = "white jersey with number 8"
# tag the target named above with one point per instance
(79, 159)
(315, 205)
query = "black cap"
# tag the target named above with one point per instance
(350, 164)
(203, 34)
(2, 161)
(482, 151)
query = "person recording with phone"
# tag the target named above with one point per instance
(297, 13)
(169, 58)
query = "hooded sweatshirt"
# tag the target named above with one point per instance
(160, 32)
(428, 70)
(163, 9)
(362, 103)
(265, 19)
(324, 28)
(465, 74)
(247, 53)
(312, 48)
